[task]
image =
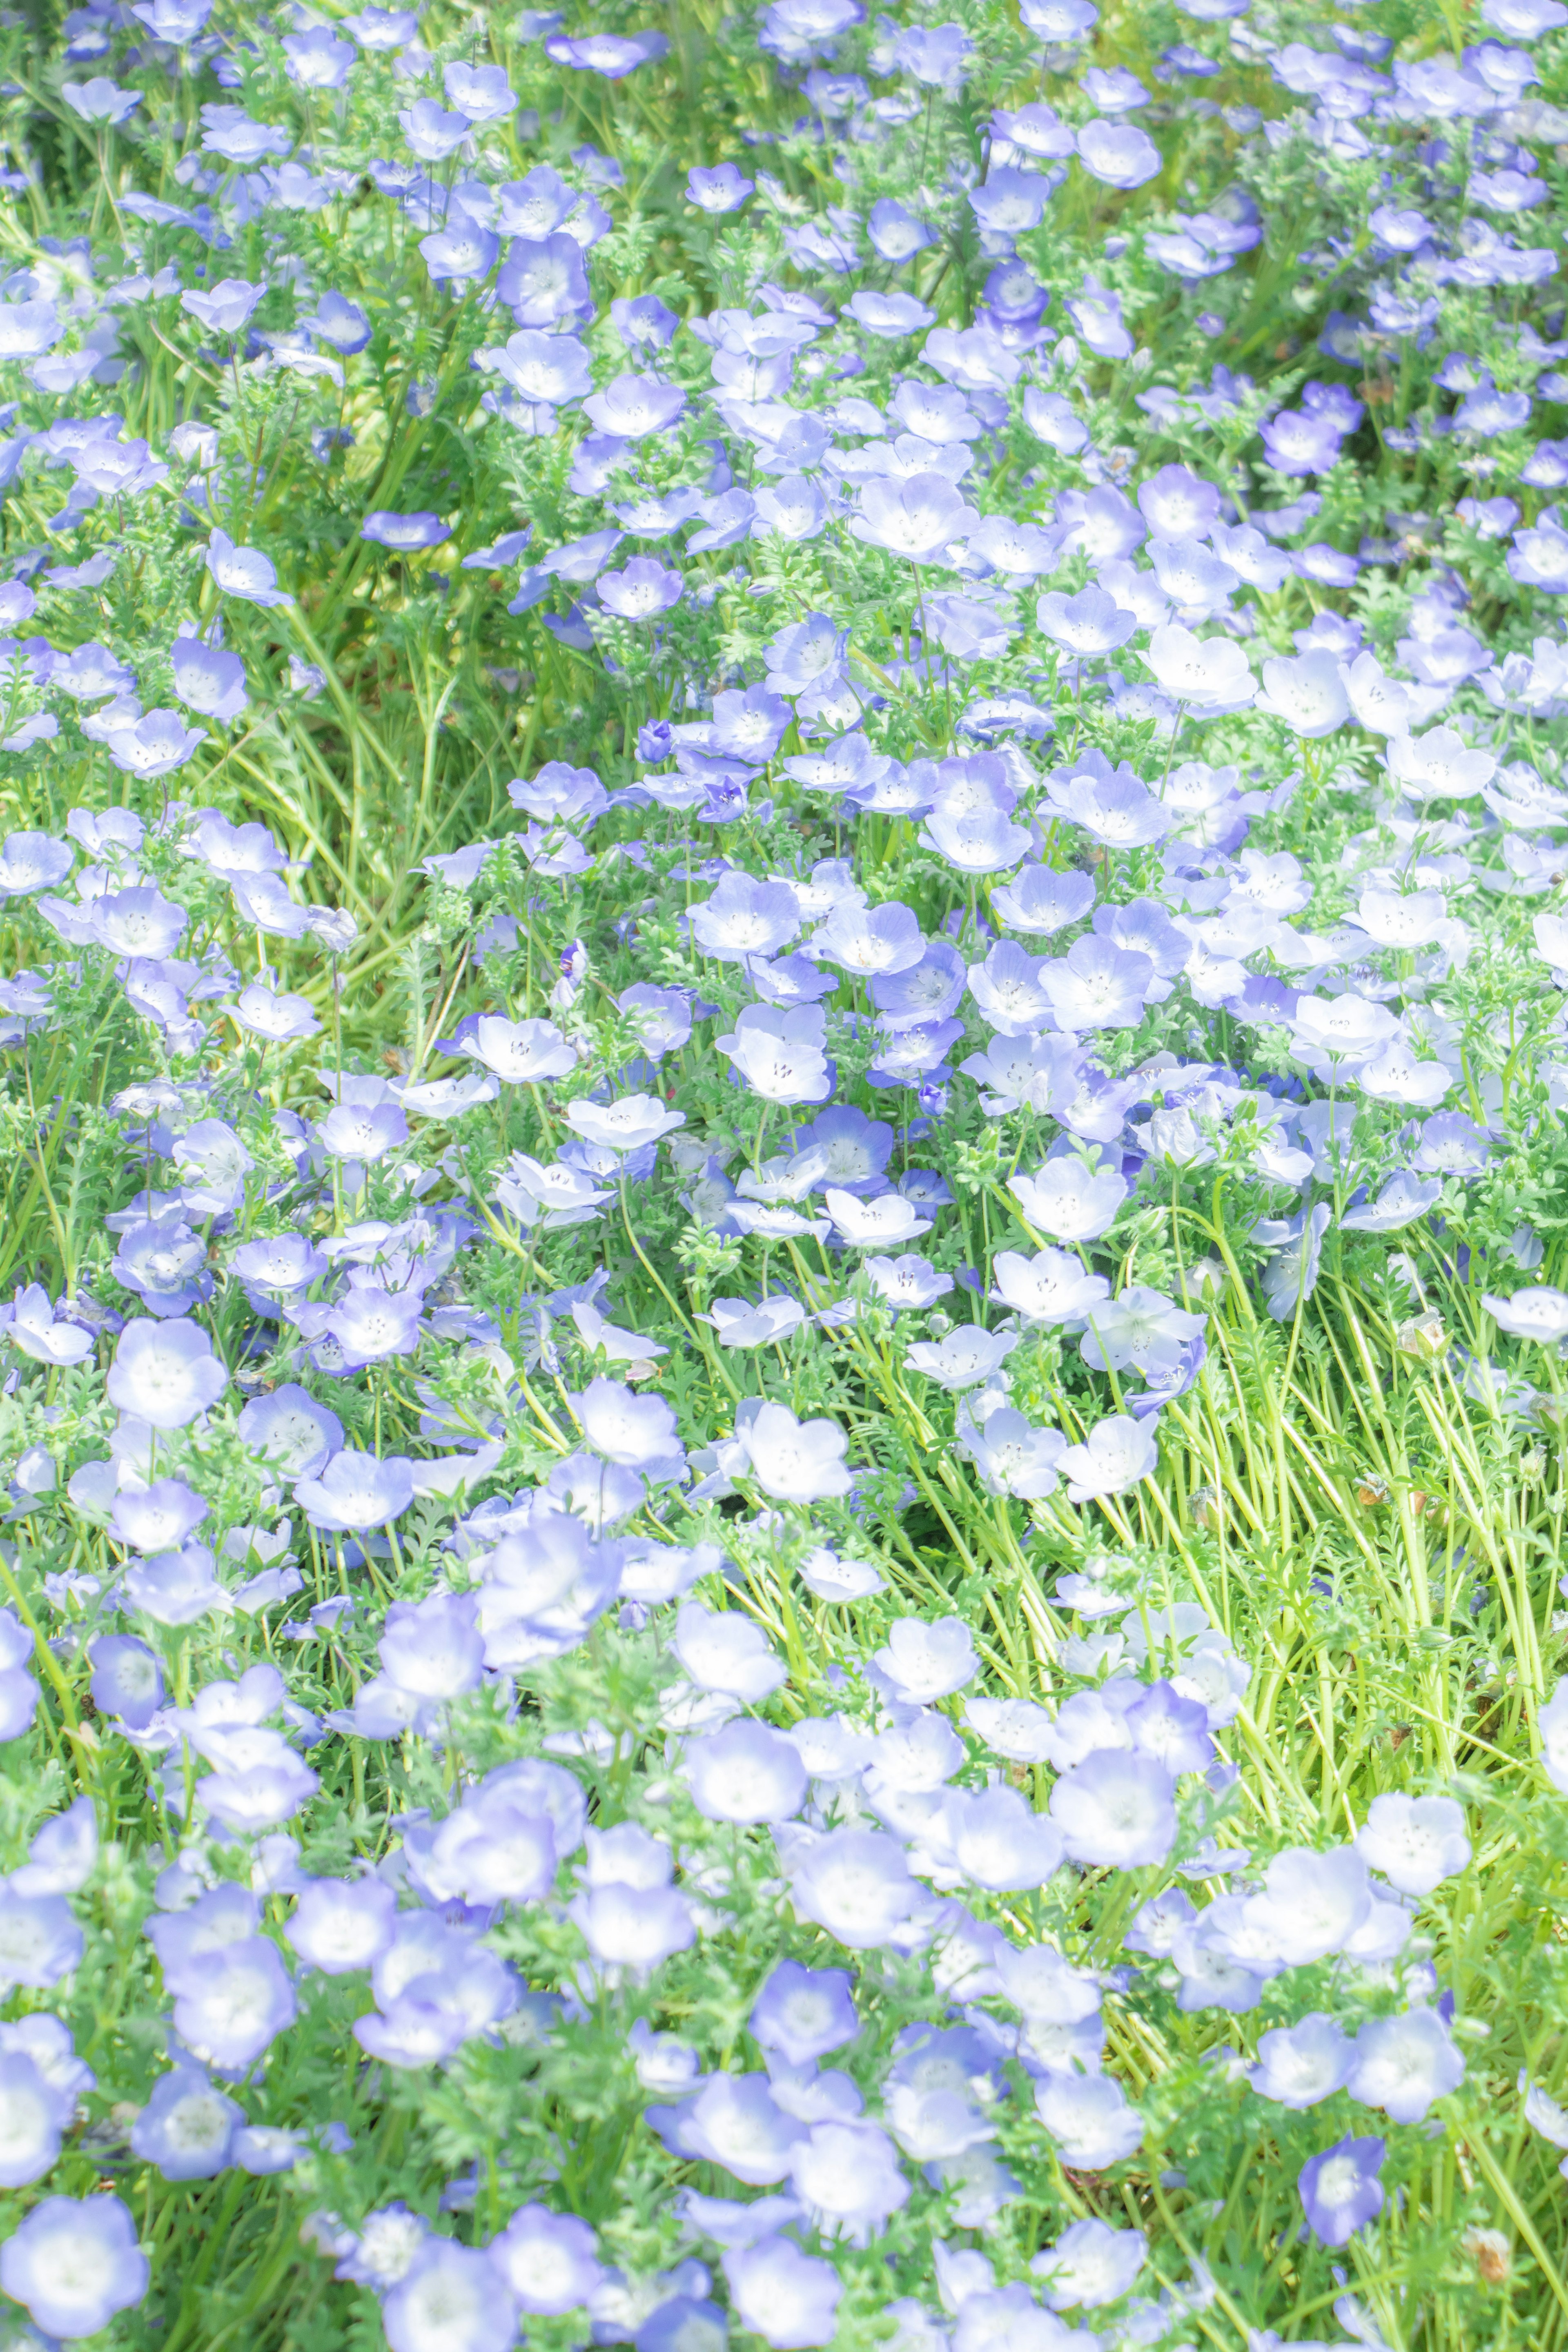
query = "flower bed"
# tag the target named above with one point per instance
(782, 1013)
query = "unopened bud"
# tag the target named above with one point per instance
(1424, 1335)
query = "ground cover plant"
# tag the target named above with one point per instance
(782, 1011)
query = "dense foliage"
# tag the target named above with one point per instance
(782, 1074)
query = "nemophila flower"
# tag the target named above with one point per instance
(165, 1373)
(316, 60)
(1524, 20)
(926, 1661)
(356, 1490)
(432, 133)
(746, 1773)
(848, 2177)
(1086, 624)
(794, 1461)
(1118, 153)
(550, 2261)
(1340, 2189)
(1403, 2063)
(918, 518)
(1208, 676)
(187, 2128)
(788, 2298)
(1090, 2263)
(855, 1884)
(482, 92)
(734, 2121)
(721, 189)
(244, 573)
(1115, 1810)
(224, 309)
(100, 100)
(33, 2112)
(642, 592)
(453, 2296)
(39, 1940)
(964, 1358)
(72, 2263)
(154, 745)
(633, 406)
(726, 1651)
(1302, 2064)
(804, 2013)
(30, 1326)
(1089, 2120)
(343, 1924)
(405, 534)
(999, 1842)
(1068, 1201)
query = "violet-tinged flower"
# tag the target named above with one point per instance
(633, 1928)
(100, 100)
(343, 1924)
(721, 190)
(1295, 1246)
(746, 1773)
(431, 133)
(1088, 2265)
(433, 1648)
(1340, 2190)
(287, 1426)
(127, 1679)
(355, 1491)
(1414, 1842)
(855, 1884)
(550, 2261)
(223, 308)
(244, 573)
(1116, 1810)
(30, 1326)
(39, 1940)
(926, 1660)
(1089, 2118)
(1119, 153)
(1301, 441)
(794, 1461)
(802, 2014)
(207, 679)
(1300, 2065)
(72, 2263)
(482, 92)
(154, 746)
(611, 55)
(847, 2176)
(1068, 1201)
(339, 322)
(451, 2298)
(727, 1650)
(232, 2002)
(918, 518)
(1403, 2063)
(1009, 202)
(405, 534)
(642, 592)
(34, 2112)
(788, 2298)
(186, 2127)
(165, 1373)
(316, 60)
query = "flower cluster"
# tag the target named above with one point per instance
(784, 1042)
